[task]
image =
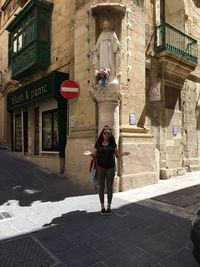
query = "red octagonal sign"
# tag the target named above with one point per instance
(69, 89)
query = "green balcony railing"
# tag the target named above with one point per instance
(171, 39)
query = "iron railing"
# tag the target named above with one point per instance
(171, 39)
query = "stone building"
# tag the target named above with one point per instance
(151, 102)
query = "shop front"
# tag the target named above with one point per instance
(39, 121)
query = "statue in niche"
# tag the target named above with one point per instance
(106, 55)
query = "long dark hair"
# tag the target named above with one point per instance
(111, 137)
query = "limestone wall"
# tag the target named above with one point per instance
(82, 130)
(180, 150)
(62, 42)
(5, 18)
(84, 110)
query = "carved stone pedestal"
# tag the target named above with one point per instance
(108, 98)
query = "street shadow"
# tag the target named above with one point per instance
(146, 233)
(136, 235)
(25, 182)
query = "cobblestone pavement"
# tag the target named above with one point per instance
(47, 220)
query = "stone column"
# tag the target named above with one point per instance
(108, 100)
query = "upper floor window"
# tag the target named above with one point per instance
(22, 36)
(29, 39)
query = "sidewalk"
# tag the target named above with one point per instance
(46, 220)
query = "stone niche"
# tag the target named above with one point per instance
(108, 97)
(112, 12)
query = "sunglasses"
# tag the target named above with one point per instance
(106, 133)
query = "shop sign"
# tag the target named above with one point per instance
(36, 91)
(29, 95)
(154, 92)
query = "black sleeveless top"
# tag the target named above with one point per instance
(105, 156)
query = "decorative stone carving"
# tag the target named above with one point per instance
(174, 70)
(113, 93)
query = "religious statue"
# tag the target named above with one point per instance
(106, 55)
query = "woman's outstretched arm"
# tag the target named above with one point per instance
(120, 155)
(92, 153)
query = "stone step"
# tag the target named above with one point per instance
(193, 168)
(5, 146)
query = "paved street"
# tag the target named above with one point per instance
(46, 220)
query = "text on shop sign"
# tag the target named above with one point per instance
(29, 95)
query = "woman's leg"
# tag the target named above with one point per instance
(101, 175)
(110, 174)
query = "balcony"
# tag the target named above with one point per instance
(34, 56)
(177, 50)
(29, 39)
(177, 42)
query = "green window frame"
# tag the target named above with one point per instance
(50, 133)
(22, 36)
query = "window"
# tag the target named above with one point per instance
(50, 138)
(22, 36)
(18, 133)
(17, 41)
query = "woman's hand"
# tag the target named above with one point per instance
(126, 153)
(118, 156)
(87, 153)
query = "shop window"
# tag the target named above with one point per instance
(18, 132)
(50, 139)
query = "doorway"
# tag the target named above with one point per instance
(36, 134)
(19, 136)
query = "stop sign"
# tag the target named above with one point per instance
(69, 89)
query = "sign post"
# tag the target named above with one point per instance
(154, 92)
(69, 89)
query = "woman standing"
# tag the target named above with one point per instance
(105, 150)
